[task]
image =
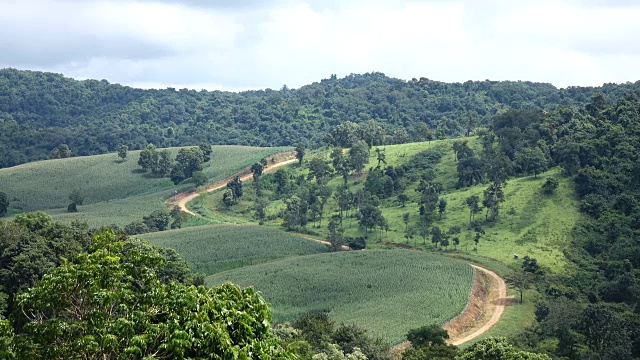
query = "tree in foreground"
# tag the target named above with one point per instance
(498, 349)
(114, 303)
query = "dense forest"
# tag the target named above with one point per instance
(40, 111)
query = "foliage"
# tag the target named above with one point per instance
(354, 287)
(122, 152)
(498, 349)
(104, 305)
(4, 204)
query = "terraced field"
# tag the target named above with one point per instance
(214, 248)
(386, 291)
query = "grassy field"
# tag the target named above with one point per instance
(47, 184)
(214, 248)
(386, 291)
(530, 222)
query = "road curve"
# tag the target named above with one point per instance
(180, 200)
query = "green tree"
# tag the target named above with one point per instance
(493, 196)
(235, 186)
(550, 186)
(101, 306)
(358, 156)
(147, 157)
(498, 349)
(206, 151)
(442, 206)
(4, 204)
(200, 178)
(60, 152)
(158, 220)
(335, 234)
(300, 152)
(531, 160)
(473, 202)
(188, 161)
(428, 335)
(295, 214)
(163, 166)
(520, 280)
(257, 170)
(122, 152)
(77, 198)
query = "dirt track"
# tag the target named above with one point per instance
(181, 200)
(486, 301)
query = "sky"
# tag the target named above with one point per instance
(239, 45)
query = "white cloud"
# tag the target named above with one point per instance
(237, 45)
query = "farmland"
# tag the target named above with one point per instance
(47, 184)
(388, 292)
(214, 248)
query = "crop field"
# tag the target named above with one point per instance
(387, 291)
(47, 184)
(214, 248)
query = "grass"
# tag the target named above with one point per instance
(47, 184)
(530, 222)
(215, 248)
(386, 291)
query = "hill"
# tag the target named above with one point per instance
(39, 111)
(47, 184)
(214, 248)
(387, 292)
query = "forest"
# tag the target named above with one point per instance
(40, 111)
(590, 310)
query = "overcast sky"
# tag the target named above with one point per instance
(237, 45)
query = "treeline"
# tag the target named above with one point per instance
(40, 111)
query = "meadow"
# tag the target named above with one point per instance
(215, 248)
(47, 184)
(386, 291)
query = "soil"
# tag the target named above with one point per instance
(486, 304)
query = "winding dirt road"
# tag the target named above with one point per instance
(486, 301)
(181, 200)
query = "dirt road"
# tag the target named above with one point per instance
(181, 200)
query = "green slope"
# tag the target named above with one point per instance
(47, 184)
(214, 248)
(387, 292)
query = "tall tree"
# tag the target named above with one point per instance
(300, 152)
(122, 152)
(359, 156)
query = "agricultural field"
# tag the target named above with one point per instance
(47, 184)
(215, 248)
(386, 291)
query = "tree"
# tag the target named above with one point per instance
(319, 169)
(550, 186)
(98, 306)
(403, 198)
(381, 156)
(235, 186)
(428, 335)
(163, 165)
(260, 208)
(122, 152)
(227, 198)
(158, 220)
(188, 161)
(148, 157)
(473, 202)
(358, 156)
(493, 196)
(206, 151)
(531, 160)
(60, 152)
(295, 214)
(479, 231)
(335, 234)
(76, 198)
(520, 280)
(470, 171)
(436, 235)
(300, 152)
(498, 349)
(369, 217)
(442, 206)
(257, 170)
(405, 219)
(344, 135)
(200, 178)
(4, 204)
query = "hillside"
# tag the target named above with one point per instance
(47, 184)
(387, 292)
(39, 111)
(215, 248)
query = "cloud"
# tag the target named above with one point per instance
(227, 44)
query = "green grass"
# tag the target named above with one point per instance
(47, 184)
(386, 291)
(214, 248)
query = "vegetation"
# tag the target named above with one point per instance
(215, 248)
(358, 287)
(47, 184)
(44, 111)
